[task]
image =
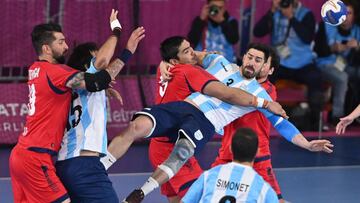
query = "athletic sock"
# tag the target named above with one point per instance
(150, 185)
(108, 160)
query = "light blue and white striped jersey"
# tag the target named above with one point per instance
(87, 119)
(233, 182)
(220, 113)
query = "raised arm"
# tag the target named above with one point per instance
(106, 51)
(100, 80)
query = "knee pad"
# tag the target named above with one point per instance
(182, 151)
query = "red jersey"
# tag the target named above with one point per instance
(186, 80)
(49, 103)
(254, 120)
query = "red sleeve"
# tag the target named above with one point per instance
(270, 89)
(60, 74)
(197, 78)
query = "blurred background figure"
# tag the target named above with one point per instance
(292, 29)
(215, 30)
(336, 48)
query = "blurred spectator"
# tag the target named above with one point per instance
(336, 48)
(292, 28)
(215, 30)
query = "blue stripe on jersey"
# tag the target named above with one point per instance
(210, 180)
(271, 196)
(104, 144)
(236, 176)
(85, 117)
(255, 188)
(71, 140)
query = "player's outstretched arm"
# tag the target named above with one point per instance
(347, 120)
(314, 145)
(106, 51)
(240, 97)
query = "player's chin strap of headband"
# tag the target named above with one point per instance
(182, 151)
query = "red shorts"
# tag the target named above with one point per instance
(265, 170)
(181, 182)
(33, 177)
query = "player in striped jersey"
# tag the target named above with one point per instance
(220, 113)
(258, 122)
(236, 181)
(182, 122)
(33, 175)
(85, 140)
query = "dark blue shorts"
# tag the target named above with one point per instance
(175, 118)
(86, 180)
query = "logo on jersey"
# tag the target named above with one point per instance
(198, 135)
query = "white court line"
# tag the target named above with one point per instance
(317, 168)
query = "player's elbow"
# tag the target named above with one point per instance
(101, 63)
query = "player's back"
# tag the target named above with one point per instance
(87, 119)
(235, 182)
(49, 101)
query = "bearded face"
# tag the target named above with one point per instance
(248, 71)
(253, 61)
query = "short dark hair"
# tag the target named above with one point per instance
(244, 145)
(81, 56)
(261, 47)
(169, 48)
(275, 59)
(43, 34)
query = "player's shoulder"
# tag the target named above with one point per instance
(52, 66)
(184, 67)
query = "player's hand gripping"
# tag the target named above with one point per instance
(136, 36)
(276, 108)
(165, 67)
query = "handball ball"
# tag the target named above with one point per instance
(333, 12)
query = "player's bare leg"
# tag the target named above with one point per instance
(139, 128)
(182, 151)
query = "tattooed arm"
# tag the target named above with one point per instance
(77, 82)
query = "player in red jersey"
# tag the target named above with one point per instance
(256, 121)
(161, 147)
(50, 82)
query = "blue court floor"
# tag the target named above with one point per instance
(333, 184)
(304, 177)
